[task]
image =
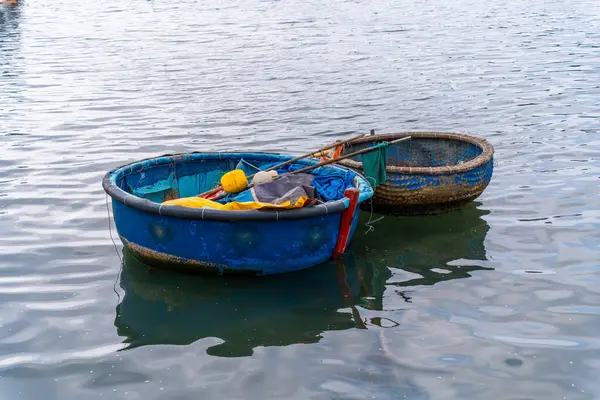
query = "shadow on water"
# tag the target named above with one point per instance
(160, 307)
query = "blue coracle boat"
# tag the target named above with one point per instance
(251, 242)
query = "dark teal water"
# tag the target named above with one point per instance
(500, 300)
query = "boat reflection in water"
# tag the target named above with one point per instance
(11, 60)
(422, 246)
(162, 307)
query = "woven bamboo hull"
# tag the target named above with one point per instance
(436, 189)
(429, 194)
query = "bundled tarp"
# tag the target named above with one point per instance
(290, 191)
(291, 187)
(328, 184)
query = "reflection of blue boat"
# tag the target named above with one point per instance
(175, 309)
(255, 242)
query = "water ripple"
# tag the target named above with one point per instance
(453, 306)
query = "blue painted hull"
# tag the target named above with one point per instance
(253, 247)
(248, 246)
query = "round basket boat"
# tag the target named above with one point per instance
(225, 242)
(431, 173)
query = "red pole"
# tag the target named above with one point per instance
(347, 217)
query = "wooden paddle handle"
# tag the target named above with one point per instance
(323, 163)
(321, 150)
(334, 160)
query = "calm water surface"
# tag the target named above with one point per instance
(500, 300)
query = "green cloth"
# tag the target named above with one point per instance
(374, 164)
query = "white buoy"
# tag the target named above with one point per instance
(264, 177)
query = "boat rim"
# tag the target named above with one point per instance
(116, 193)
(483, 158)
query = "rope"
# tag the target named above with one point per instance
(370, 222)
(116, 250)
(176, 182)
(250, 164)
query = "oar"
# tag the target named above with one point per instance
(314, 153)
(323, 163)
(338, 143)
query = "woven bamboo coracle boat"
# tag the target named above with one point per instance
(432, 173)
(227, 242)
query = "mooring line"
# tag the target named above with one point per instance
(116, 250)
(369, 223)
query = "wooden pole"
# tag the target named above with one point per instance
(323, 163)
(337, 143)
(334, 160)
